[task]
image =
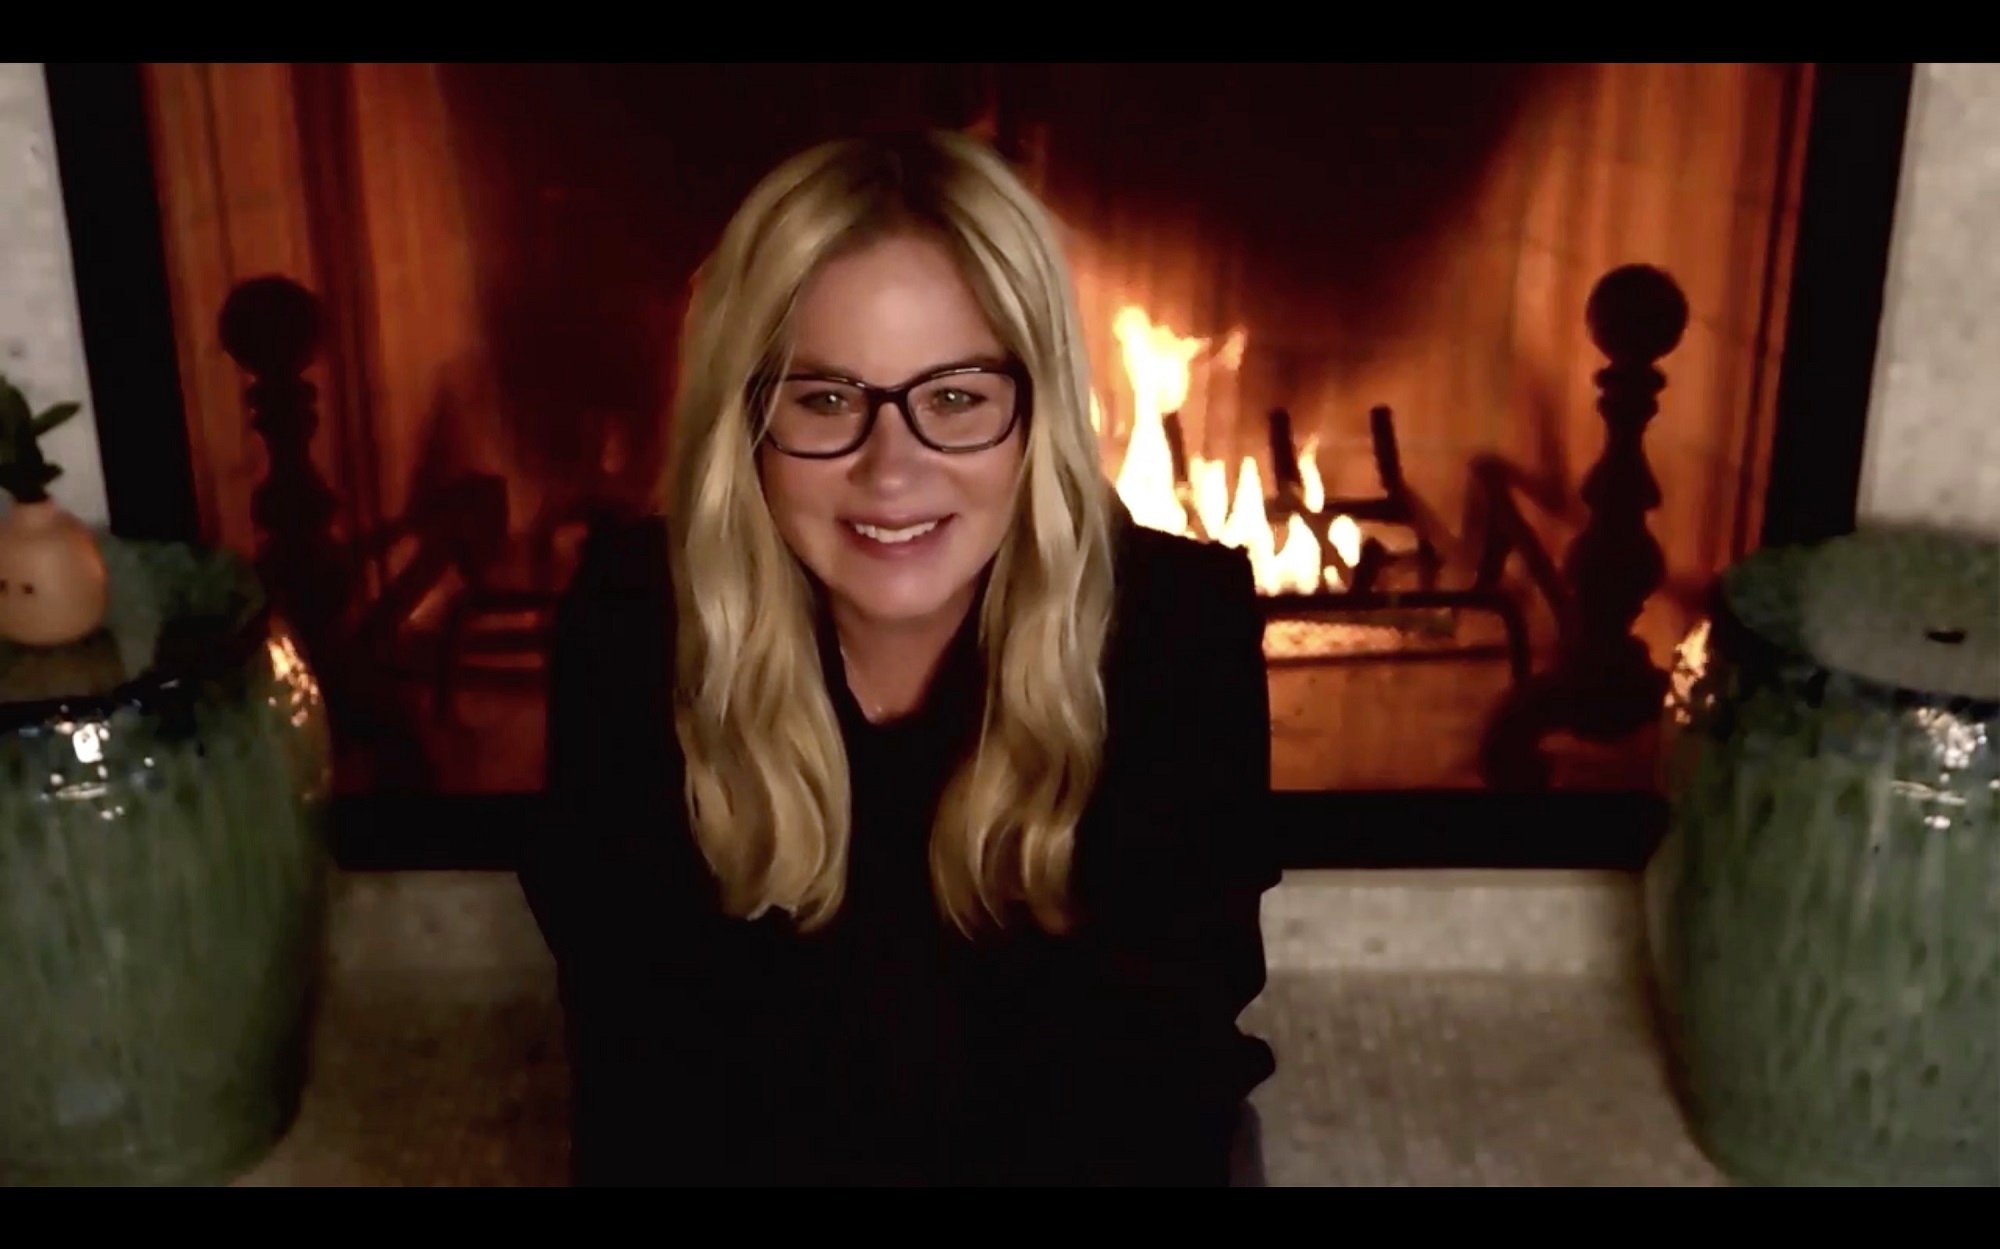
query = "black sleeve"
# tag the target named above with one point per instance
(1182, 877)
(614, 883)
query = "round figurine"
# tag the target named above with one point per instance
(52, 582)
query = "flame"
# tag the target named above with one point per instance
(1159, 361)
(1230, 354)
(1345, 537)
(1209, 483)
(1096, 414)
(1314, 492)
(1289, 569)
(1146, 482)
(1247, 529)
(1295, 568)
(1156, 359)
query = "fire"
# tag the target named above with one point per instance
(1247, 529)
(1209, 483)
(1230, 354)
(1295, 569)
(1156, 359)
(1315, 489)
(1344, 536)
(1159, 362)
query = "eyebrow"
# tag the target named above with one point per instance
(814, 365)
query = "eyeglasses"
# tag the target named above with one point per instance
(819, 416)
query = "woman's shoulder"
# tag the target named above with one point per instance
(620, 599)
(1151, 559)
(1185, 681)
(1187, 698)
(613, 643)
(1175, 594)
(623, 555)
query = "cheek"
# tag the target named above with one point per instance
(987, 486)
(794, 488)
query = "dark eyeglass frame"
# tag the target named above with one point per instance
(899, 396)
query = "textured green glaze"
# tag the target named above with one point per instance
(1826, 908)
(161, 896)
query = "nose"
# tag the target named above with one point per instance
(891, 454)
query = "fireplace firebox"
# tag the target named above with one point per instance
(1491, 369)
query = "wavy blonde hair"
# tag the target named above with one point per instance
(767, 779)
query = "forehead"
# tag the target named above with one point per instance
(889, 310)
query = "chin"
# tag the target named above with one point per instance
(897, 605)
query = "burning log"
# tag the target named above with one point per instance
(1287, 481)
(1358, 574)
(1170, 424)
(1388, 457)
(1394, 505)
(1177, 449)
(1368, 567)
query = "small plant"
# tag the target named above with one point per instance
(24, 474)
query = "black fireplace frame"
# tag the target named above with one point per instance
(1852, 172)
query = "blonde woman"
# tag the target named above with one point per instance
(911, 799)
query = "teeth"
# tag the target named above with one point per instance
(893, 536)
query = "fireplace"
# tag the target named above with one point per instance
(1485, 366)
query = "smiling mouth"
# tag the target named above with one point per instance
(895, 536)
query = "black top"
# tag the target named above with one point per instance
(886, 1048)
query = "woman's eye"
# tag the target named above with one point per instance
(830, 402)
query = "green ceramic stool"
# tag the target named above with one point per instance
(162, 877)
(1825, 910)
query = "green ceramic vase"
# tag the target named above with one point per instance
(162, 884)
(1825, 911)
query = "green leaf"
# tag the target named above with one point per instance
(14, 411)
(55, 416)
